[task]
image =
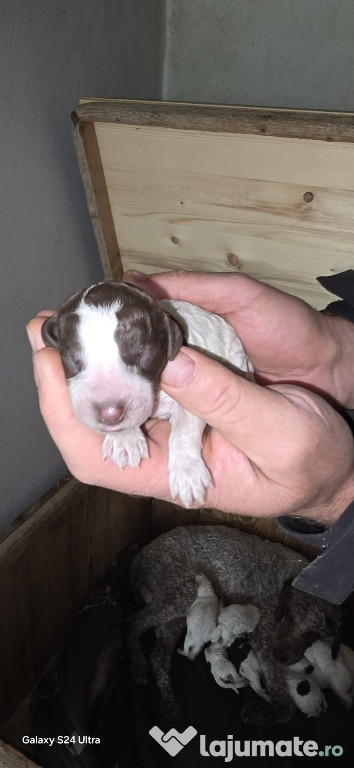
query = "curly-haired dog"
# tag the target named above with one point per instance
(242, 568)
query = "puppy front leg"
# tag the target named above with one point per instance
(126, 448)
(189, 477)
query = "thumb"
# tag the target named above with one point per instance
(245, 413)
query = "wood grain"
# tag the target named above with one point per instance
(231, 202)
(97, 198)
(299, 124)
(220, 188)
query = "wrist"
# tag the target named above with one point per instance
(331, 509)
(342, 362)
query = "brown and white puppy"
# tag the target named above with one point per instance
(114, 340)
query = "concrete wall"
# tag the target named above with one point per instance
(280, 53)
(51, 54)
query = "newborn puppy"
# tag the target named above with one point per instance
(330, 672)
(201, 618)
(222, 669)
(235, 621)
(306, 694)
(250, 669)
(115, 340)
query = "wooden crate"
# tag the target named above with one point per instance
(265, 192)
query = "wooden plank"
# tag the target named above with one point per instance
(97, 198)
(264, 158)
(278, 209)
(207, 187)
(300, 124)
(47, 567)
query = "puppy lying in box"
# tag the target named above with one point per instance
(114, 340)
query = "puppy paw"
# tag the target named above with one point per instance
(189, 480)
(125, 448)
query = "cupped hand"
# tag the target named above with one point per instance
(272, 450)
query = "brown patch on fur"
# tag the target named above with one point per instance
(147, 336)
(60, 332)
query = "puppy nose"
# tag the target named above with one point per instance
(110, 414)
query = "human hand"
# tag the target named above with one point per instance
(272, 450)
(285, 338)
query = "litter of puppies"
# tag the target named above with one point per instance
(198, 578)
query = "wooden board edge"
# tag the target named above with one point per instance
(90, 166)
(295, 124)
(15, 536)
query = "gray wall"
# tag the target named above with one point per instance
(281, 53)
(51, 54)
(289, 53)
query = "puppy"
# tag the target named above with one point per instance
(250, 670)
(235, 621)
(114, 341)
(331, 673)
(306, 694)
(222, 669)
(201, 618)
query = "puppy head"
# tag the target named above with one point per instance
(303, 619)
(114, 341)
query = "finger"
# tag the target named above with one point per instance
(34, 328)
(54, 398)
(219, 292)
(259, 421)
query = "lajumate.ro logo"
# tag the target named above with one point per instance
(173, 742)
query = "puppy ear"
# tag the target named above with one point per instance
(50, 332)
(175, 336)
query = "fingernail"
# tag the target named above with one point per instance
(31, 339)
(178, 371)
(37, 370)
